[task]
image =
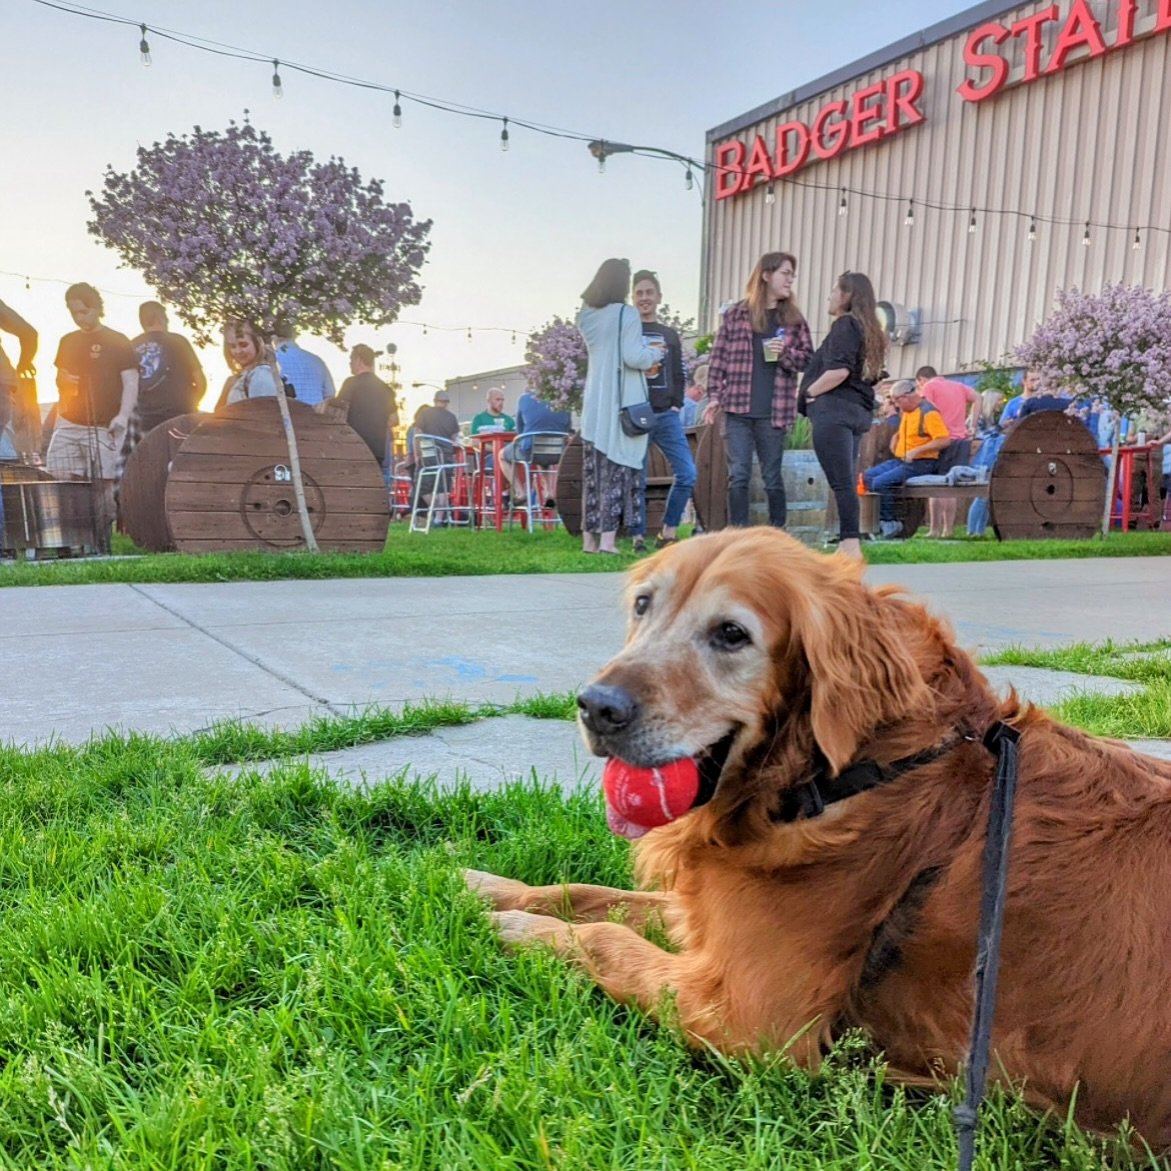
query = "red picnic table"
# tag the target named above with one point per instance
(490, 444)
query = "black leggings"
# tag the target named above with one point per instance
(838, 426)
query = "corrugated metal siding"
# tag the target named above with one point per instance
(1088, 143)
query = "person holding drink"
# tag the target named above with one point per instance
(666, 382)
(762, 345)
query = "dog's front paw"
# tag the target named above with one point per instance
(504, 894)
(518, 927)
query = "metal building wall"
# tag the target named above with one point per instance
(1088, 143)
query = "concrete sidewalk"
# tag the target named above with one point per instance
(174, 658)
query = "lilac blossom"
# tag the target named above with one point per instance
(1114, 347)
(222, 226)
(556, 356)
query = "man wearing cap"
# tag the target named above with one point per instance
(437, 419)
(921, 436)
(372, 412)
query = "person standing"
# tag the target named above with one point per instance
(762, 345)
(837, 395)
(611, 459)
(97, 384)
(372, 412)
(666, 383)
(12, 322)
(170, 379)
(308, 374)
(959, 406)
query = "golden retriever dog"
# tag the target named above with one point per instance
(771, 665)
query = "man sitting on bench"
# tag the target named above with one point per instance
(916, 446)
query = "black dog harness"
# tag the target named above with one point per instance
(811, 799)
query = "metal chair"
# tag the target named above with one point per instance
(535, 458)
(439, 472)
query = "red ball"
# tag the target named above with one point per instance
(639, 799)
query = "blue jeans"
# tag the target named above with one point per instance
(886, 476)
(743, 436)
(985, 458)
(667, 435)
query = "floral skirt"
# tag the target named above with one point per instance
(611, 494)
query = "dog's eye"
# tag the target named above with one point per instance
(728, 636)
(642, 604)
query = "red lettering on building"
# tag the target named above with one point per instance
(1031, 27)
(729, 168)
(863, 115)
(1080, 29)
(997, 34)
(789, 159)
(1127, 10)
(902, 92)
(830, 139)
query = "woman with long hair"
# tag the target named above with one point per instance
(837, 394)
(252, 362)
(611, 459)
(762, 344)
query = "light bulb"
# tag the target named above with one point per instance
(397, 118)
(972, 222)
(601, 164)
(144, 47)
(842, 203)
(1137, 241)
(910, 220)
(277, 90)
(688, 180)
(770, 194)
(504, 135)
(1086, 235)
(1032, 230)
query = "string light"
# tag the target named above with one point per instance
(1137, 242)
(397, 113)
(689, 180)
(842, 203)
(910, 220)
(1032, 229)
(972, 222)
(144, 47)
(277, 89)
(469, 333)
(504, 135)
(1086, 235)
(770, 194)
(514, 337)
(602, 160)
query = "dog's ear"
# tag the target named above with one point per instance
(862, 673)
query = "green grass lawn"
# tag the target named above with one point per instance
(457, 552)
(275, 973)
(1142, 715)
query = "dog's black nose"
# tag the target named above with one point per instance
(606, 709)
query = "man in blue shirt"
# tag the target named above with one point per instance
(532, 415)
(308, 374)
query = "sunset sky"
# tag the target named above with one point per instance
(516, 235)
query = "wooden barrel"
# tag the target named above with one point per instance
(230, 485)
(1049, 480)
(806, 489)
(569, 485)
(142, 492)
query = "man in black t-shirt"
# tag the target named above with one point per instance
(97, 384)
(372, 412)
(170, 379)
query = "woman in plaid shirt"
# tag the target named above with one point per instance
(762, 344)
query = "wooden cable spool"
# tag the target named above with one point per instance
(142, 492)
(569, 486)
(1049, 480)
(230, 486)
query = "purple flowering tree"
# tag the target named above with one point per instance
(556, 356)
(1113, 346)
(225, 227)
